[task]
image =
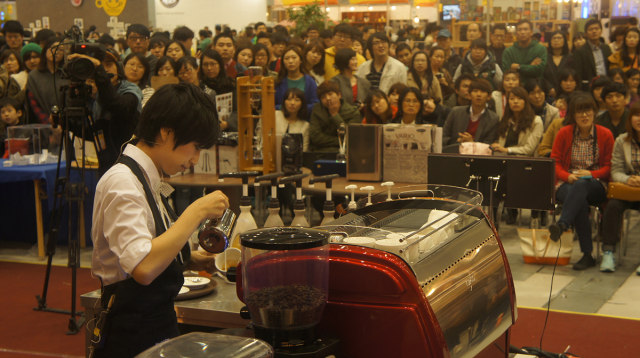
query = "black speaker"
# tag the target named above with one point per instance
(364, 152)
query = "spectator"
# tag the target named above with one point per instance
(343, 38)
(421, 76)
(436, 57)
(378, 108)
(313, 59)
(224, 44)
(591, 59)
(260, 28)
(498, 34)
(461, 97)
(615, 117)
(562, 103)
(30, 55)
(243, 54)
(473, 32)
(559, 59)
(383, 70)
(137, 71)
(359, 46)
(510, 80)
(616, 38)
(14, 66)
(451, 59)
(526, 56)
(367, 31)
(633, 79)
(403, 54)
(187, 71)
(43, 85)
(313, 33)
(292, 75)
(432, 31)
(166, 67)
(91, 35)
(13, 32)
(175, 50)
(433, 112)
(597, 85)
(480, 63)
(204, 40)
(394, 93)
(185, 36)
(261, 59)
(410, 107)
(266, 40)
(538, 92)
(138, 41)
(413, 32)
(326, 37)
(327, 117)
(473, 123)
(520, 129)
(107, 41)
(279, 42)
(42, 36)
(157, 45)
(582, 152)
(353, 89)
(627, 57)
(569, 81)
(213, 79)
(292, 117)
(544, 150)
(625, 168)
(10, 115)
(579, 39)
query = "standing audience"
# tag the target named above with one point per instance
(591, 59)
(527, 55)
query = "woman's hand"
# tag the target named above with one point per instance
(498, 148)
(582, 173)
(202, 261)
(573, 178)
(77, 55)
(443, 81)
(224, 125)
(634, 180)
(212, 206)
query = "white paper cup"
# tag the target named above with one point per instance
(391, 245)
(360, 241)
(231, 255)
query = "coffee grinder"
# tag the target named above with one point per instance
(284, 282)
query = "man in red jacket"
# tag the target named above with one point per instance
(582, 151)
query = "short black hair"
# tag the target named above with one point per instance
(221, 35)
(138, 29)
(592, 22)
(479, 43)
(205, 33)
(367, 28)
(404, 94)
(303, 112)
(183, 34)
(7, 53)
(144, 81)
(495, 27)
(158, 40)
(281, 29)
(402, 46)
(613, 87)
(326, 34)
(380, 36)
(327, 87)
(344, 29)
(480, 84)
(537, 82)
(279, 38)
(106, 39)
(43, 35)
(600, 81)
(14, 27)
(10, 101)
(525, 21)
(183, 61)
(184, 109)
(313, 27)
(343, 57)
(464, 76)
(258, 24)
(264, 35)
(184, 50)
(162, 61)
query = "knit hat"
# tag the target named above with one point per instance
(30, 47)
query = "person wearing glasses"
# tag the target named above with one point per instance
(213, 77)
(342, 38)
(138, 40)
(498, 34)
(582, 151)
(261, 59)
(187, 71)
(383, 70)
(116, 108)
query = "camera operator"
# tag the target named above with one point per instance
(116, 108)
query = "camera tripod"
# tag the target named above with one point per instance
(74, 115)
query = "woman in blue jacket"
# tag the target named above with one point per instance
(292, 75)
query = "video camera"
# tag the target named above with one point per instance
(82, 69)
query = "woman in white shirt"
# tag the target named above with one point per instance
(289, 119)
(12, 62)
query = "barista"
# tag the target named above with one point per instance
(139, 251)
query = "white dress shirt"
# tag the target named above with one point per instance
(123, 224)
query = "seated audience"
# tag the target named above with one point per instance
(15, 68)
(582, 151)
(625, 168)
(394, 93)
(404, 54)
(510, 80)
(157, 45)
(187, 71)
(313, 59)
(597, 85)
(292, 75)
(633, 79)
(327, 116)
(627, 56)
(538, 92)
(243, 54)
(10, 115)
(615, 117)
(569, 82)
(461, 95)
(342, 38)
(293, 116)
(421, 76)
(520, 129)
(410, 108)
(433, 112)
(473, 123)
(618, 75)
(354, 89)
(261, 59)
(480, 63)
(378, 108)
(451, 59)
(383, 70)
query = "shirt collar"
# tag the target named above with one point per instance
(594, 47)
(145, 162)
(478, 115)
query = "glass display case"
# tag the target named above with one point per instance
(35, 144)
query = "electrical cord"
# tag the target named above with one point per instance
(550, 293)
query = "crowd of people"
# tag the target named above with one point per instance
(574, 100)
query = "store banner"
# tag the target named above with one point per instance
(303, 2)
(425, 3)
(377, 2)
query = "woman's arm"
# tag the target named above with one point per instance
(618, 166)
(531, 141)
(606, 151)
(558, 152)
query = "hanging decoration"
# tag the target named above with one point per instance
(112, 7)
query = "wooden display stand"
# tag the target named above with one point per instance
(376, 19)
(265, 87)
(456, 29)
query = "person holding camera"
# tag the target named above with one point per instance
(116, 108)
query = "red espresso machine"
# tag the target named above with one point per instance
(421, 275)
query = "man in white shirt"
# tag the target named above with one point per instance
(383, 71)
(139, 255)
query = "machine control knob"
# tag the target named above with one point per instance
(244, 313)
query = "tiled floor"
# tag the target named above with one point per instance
(589, 291)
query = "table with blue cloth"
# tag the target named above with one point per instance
(21, 187)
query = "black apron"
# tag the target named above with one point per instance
(143, 316)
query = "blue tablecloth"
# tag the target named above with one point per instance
(32, 172)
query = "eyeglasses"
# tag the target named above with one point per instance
(134, 66)
(584, 113)
(138, 38)
(185, 72)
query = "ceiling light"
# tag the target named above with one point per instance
(417, 7)
(416, 20)
(328, 9)
(352, 8)
(393, 8)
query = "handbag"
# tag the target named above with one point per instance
(538, 248)
(623, 191)
(475, 148)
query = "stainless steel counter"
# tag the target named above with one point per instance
(221, 309)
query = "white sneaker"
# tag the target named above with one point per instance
(608, 263)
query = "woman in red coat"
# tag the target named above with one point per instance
(582, 151)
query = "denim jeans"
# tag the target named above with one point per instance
(576, 199)
(612, 222)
